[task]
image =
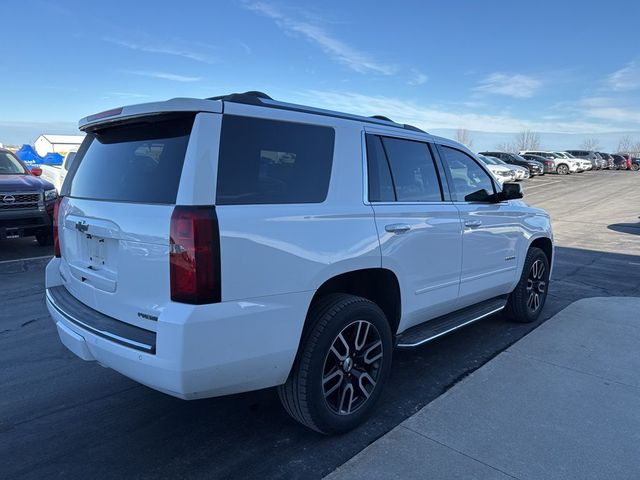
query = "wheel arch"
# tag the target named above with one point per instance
(546, 245)
(379, 285)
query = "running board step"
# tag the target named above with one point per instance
(437, 327)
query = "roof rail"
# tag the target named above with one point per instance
(252, 97)
(263, 100)
(381, 117)
(415, 129)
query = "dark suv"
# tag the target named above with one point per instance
(587, 155)
(26, 201)
(535, 168)
(619, 162)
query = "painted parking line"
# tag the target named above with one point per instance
(25, 259)
(529, 187)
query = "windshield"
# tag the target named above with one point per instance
(9, 164)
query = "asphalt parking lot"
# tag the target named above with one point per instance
(61, 417)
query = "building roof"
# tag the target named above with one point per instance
(63, 139)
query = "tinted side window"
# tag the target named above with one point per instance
(467, 176)
(269, 161)
(413, 170)
(380, 184)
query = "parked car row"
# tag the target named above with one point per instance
(508, 167)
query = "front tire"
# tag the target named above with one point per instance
(342, 365)
(528, 298)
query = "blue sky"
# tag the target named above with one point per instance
(493, 67)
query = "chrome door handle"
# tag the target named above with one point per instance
(397, 228)
(472, 223)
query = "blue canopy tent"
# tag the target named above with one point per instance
(30, 157)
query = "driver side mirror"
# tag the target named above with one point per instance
(511, 191)
(481, 196)
(37, 171)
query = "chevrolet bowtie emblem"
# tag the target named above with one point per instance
(82, 227)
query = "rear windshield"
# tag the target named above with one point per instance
(133, 162)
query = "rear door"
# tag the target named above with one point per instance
(491, 230)
(419, 227)
(115, 217)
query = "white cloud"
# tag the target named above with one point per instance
(418, 79)
(429, 118)
(607, 108)
(516, 85)
(164, 76)
(178, 51)
(340, 51)
(627, 78)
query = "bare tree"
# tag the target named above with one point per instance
(592, 144)
(505, 147)
(625, 144)
(635, 150)
(464, 137)
(527, 140)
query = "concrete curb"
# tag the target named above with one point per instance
(559, 403)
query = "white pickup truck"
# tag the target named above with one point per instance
(56, 173)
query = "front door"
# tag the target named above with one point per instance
(490, 230)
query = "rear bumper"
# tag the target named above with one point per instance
(201, 351)
(23, 223)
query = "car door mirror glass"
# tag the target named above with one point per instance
(511, 191)
(479, 196)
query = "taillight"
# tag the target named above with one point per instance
(56, 236)
(194, 256)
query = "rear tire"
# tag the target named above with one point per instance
(635, 167)
(528, 298)
(562, 170)
(44, 239)
(342, 365)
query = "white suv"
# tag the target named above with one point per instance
(209, 247)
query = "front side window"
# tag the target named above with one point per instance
(467, 176)
(273, 162)
(10, 164)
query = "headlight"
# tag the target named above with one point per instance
(50, 195)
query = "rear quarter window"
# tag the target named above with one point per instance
(138, 161)
(273, 162)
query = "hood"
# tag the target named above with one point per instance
(499, 168)
(23, 183)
